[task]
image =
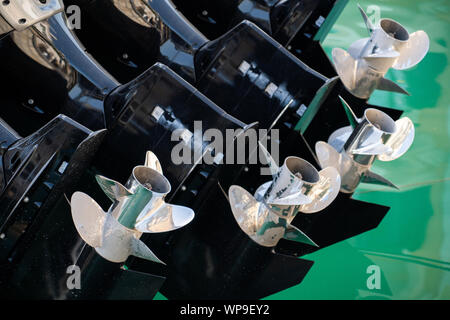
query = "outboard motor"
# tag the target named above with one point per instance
(245, 71)
(299, 25)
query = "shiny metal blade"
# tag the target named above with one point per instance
(324, 192)
(400, 141)
(245, 209)
(261, 191)
(327, 155)
(140, 250)
(152, 161)
(268, 159)
(356, 48)
(339, 137)
(166, 218)
(88, 218)
(346, 67)
(389, 85)
(369, 25)
(113, 189)
(374, 178)
(294, 234)
(372, 150)
(349, 112)
(414, 51)
(292, 200)
(382, 61)
(391, 55)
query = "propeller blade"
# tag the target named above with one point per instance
(414, 51)
(374, 178)
(292, 200)
(113, 189)
(245, 209)
(382, 61)
(327, 155)
(387, 55)
(140, 250)
(338, 138)
(400, 141)
(354, 121)
(166, 218)
(324, 192)
(268, 159)
(389, 85)
(89, 218)
(152, 162)
(356, 48)
(346, 67)
(372, 150)
(369, 25)
(294, 234)
(261, 191)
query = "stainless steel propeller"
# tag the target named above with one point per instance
(138, 207)
(353, 149)
(363, 67)
(296, 187)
